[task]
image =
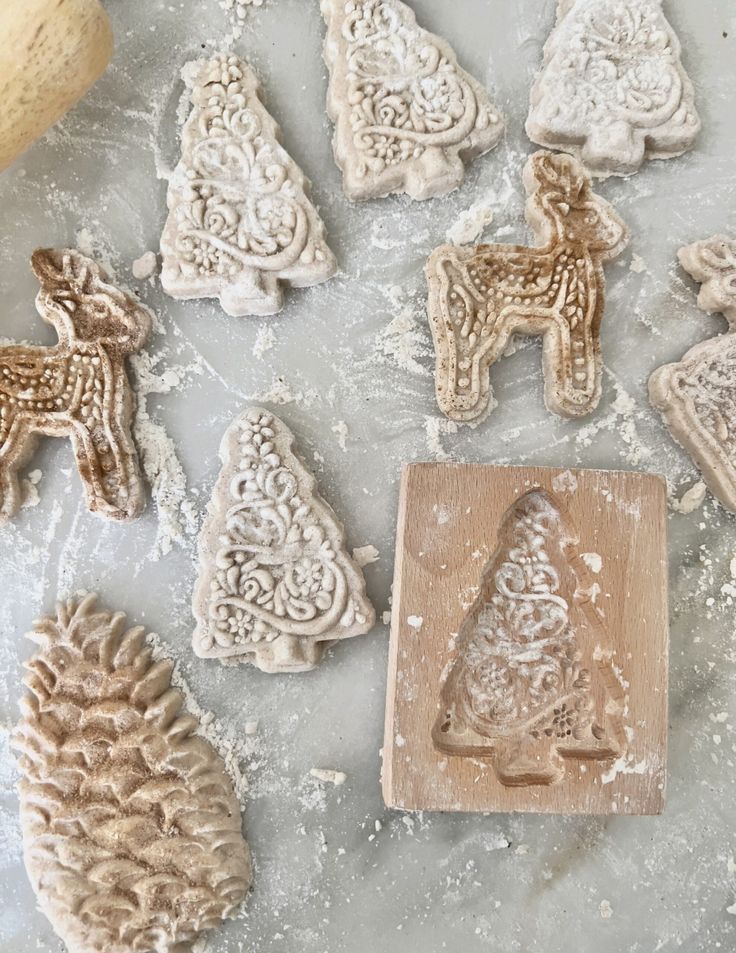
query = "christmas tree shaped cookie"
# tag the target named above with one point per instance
(612, 88)
(406, 115)
(697, 396)
(131, 829)
(240, 223)
(276, 584)
(479, 297)
(532, 683)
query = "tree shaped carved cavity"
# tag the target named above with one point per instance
(532, 684)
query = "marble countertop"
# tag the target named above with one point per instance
(349, 368)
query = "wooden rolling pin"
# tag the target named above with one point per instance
(51, 52)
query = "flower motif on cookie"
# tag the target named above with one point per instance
(697, 395)
(240, 221)
(276, 584)
(612, 88)
(529, 686)
(406, 115)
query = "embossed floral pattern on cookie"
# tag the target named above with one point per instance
(131, 829)
(276, 584)
(78, 388)
(697, 395)
(407, 116)
(240, 223)
(612, 88)
(479, 297)
(531, 685)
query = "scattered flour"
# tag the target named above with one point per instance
(436, 428)
(341, 429)
(365, 555)
(470, 224)
(565, 482)
(606, 910)
(159, 459)
(29, 489)
(265, 340)
(328, 776)
(638, 265)
(405, 342)
(144, 266)
(415, 621)
(593, 561)
(691, 499)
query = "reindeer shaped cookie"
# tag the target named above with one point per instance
(480, 297)
(77, 388)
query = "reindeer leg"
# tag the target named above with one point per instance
(15, 450)
(105, 454)
(572, 360)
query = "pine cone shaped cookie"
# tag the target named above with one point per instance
(131, 829)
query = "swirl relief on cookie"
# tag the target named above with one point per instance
(479, 297)
(131, 829)
(532, 683)
(276, 584)
(697, 395)
(406, 116)
(612, 88)
(240, 223)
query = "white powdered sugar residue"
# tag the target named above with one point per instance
(690, 500)
(593, 561)
(470, 224)
(145, 266)
(405, 342)
(365, 555)
(265, 340)
(159, 459)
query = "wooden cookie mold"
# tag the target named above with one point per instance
(529, 641)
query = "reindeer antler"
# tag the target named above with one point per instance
(559, 178)
(58, 267)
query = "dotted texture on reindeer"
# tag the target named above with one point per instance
(612, 89)
(697, 395)
(276, 584)
(78, 388)
(532, 682)
(240, 223)
(479, 297)
(131, 829)
(406, 116)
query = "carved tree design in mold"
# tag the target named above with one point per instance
(697, 395)
(77, 388)
(612, 88)
(533, 682)
(131, 829)
(276, 584)
(240, 223)
(479, 297)
(406, 115)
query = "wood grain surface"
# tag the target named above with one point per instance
(450, 517)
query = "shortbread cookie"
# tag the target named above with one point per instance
(240, 223)
(131, 829)
(533, 682)
(78, 388)
(406, 116)
(479, 297)
(697, 396)
(276, 584)
(612, 89)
